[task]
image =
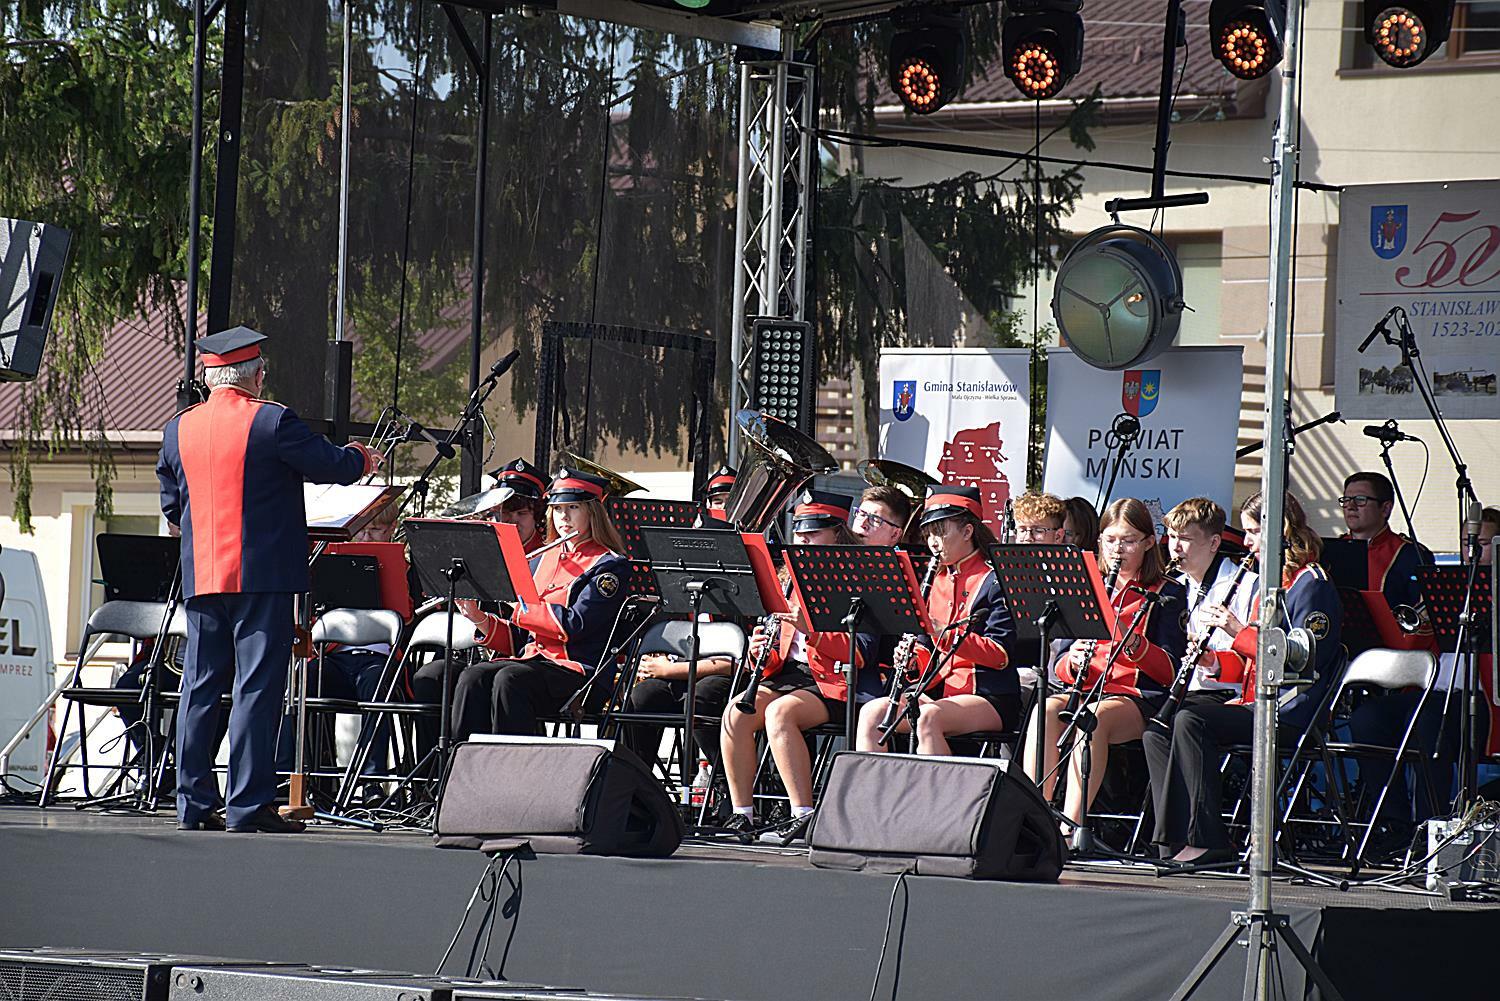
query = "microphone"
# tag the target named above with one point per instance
(1380, 328)
(1125, 427)
(418, 433)
(503, 365)
(1472, 517)
(1389, 433)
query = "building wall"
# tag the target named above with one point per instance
(1358, 127)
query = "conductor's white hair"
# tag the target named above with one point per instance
(241, 373)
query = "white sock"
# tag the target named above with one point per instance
(801, 811)
(748, 812)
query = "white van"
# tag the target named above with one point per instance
(26, 669)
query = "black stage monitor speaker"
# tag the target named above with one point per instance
(251, 983)
(87, 975)
(559, 796)
(974, 817)
(32, 256)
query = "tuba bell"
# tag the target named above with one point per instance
(908, 479)
(778, 460)
(619, 485)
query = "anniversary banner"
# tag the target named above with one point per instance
(961, 414)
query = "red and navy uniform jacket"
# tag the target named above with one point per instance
(1312, 603)
(827, 654)
(231, 471)
(500, 637)
(581, 591)
(1393, 562)
(1146, 666)
(981, 664)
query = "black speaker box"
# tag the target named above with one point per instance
(32, 256)
(558, 796)
(250, 983)
(91, 975)
(979, 818)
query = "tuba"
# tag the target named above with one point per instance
(778, 460)
(909, 480)
(619, 485)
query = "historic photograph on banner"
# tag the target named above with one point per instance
(961, 414)
(1186, 439)
(1433, 251)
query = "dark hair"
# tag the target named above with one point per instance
(1384, 492)
(983, 537)
(1303, 546)
(537, 506)
(1138, 516)
(1490, 516)
(1085, 523)
(891, 497)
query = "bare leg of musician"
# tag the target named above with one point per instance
(786, 718)
(1049, 746)
(1118, 721)
(954, 714)
(737, 747)
(867, 737)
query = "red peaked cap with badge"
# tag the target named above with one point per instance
(521, 478)
(948, 499)
(721, 481)
(229, 347)
(817, 509)
(572, 486)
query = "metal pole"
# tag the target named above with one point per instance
(1171, 32)
(185, 395)
(469, 469)
(1273, 486)
(741, 237)
(344, 127)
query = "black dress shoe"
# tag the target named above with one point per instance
(267, 821)
(207, 822)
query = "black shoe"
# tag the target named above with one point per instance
(788, 833)
(741, 826)
(207, 822)
(267, 821)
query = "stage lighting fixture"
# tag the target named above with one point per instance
(782, 381)
(1246, 36)
(1404, 34)
(1118, 297)
(926, 60)
(1042, 45)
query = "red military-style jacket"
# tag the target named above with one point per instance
(827, 653)
(981, 663)
(1148, 664)
(502, 638)
(581, 592)
(231, 471)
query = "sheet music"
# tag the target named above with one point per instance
(335, 505)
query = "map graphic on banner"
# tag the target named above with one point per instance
(1188, 407)
(960, 414)
(1434, 250)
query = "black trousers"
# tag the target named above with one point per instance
(1186, 786)
(499, 696)
(654, 695)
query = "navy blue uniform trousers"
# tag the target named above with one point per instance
(243, 640)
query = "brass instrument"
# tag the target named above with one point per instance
(1409, 618)
(392, 428)
(1163, 718)
(901, 658)
(908, 479)
(778, 460)
(619, 486)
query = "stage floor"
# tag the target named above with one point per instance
(710, 922)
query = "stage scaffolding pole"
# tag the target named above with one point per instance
(772, 205)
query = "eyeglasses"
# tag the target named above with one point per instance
(1358, 500)
(863, 517)
(1114, 543)
(1035, 532)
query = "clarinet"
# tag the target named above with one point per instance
(1162, 721)
(769, 624)
(1071, 709)
(901, 659)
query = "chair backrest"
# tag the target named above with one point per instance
(140, 620)
(178, 625)
(431, 632)
(1391, 669)
(361, 627)
(715, 639)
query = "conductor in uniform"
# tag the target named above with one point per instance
(231, 472)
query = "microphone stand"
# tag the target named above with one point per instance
(1124, 430)
(1390, 471)
(472, 410)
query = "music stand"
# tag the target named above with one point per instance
(700, 570)
(1046, 585)
(137, 567)
(856, 589)
(1347, 562)
(630, 515)
(1460, 602)
(464, 559)
(346, 581)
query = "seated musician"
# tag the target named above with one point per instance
(882, 516)
(661, 687)
(716, 492)
(521, 484)
(581, 584)
(1189, 826)
(1367, 503)
(1081, 528)
(1151, 630)
(803, 682)
(975, 687)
